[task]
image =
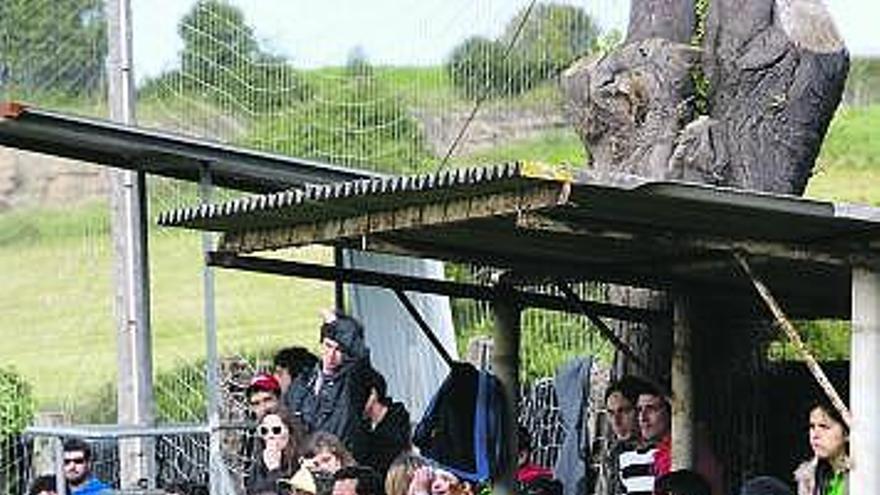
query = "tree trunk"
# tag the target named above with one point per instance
(775, 72)
(671, 20)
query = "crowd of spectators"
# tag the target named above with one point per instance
(326, 425)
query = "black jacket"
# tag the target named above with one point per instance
(338, 406)
(388, 439)
(261, 480)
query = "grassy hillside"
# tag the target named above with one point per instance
(56, 301)
(848, 168)
(56, 272)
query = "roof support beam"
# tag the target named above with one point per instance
(677, 242)
(430, 286)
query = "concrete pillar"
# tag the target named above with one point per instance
(865, 383)
(682, 387)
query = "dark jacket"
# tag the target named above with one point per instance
(260, 479)
(338, 405)
(390, 437)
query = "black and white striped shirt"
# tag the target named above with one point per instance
(636, 468)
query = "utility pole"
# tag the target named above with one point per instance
(128, 202)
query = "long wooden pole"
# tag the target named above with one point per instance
(795, 339)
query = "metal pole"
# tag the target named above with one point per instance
(682, 387)
(132, 301)
(865, 383)
(506, 365)
(339, 285)
(212, 371)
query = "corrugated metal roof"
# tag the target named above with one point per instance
(161, 153)
(265, 211)
(560, 223)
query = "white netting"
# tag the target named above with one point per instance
(235, 80)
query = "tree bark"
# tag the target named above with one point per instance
(671, 20)
(776, 72)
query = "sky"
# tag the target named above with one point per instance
(315, 33)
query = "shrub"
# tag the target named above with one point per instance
(17, 404)
(352, 120)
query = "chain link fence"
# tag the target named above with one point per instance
(488, 95)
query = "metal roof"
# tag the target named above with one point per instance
(160, 153)
(544, 222)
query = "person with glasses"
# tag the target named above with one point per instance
(276, 457)
(77, 464)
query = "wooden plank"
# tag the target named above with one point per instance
(539, 195)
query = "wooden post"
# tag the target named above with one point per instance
(506, 366)
(682, 387)
(865, 383)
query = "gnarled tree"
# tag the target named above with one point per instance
(747, 106)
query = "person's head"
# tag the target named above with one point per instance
(654, 413)
(357, 480)
(401, 472)
(43, 485)
(290, 362)
(682, 482)
(263, 393)
(377, 392)
(829, 435)
(77, 461)
(443, 481)
(620, 403)
(342, 338)
(324, 452)
(764, 485)
(279, 430)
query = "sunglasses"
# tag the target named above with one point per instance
(265, 430)
(75, 460)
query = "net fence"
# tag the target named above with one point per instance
(463, 83)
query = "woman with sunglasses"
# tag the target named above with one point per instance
(827, 473)
(279, 437)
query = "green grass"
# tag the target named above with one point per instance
(56, 302)
(848, 167)
(555, 146)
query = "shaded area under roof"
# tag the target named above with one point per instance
(548, 223)
(160, 153)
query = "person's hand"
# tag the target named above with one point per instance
(421, 481)
(272, 456)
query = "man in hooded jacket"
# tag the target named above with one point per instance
(386, 423)
(331, 396)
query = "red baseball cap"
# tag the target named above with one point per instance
(264, 382)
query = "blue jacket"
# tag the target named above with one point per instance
(92, 486)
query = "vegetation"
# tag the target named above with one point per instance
(531, 50)
(16, 403)
(352, 119)
(222, 62)
(62, 46)
(55, 293)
